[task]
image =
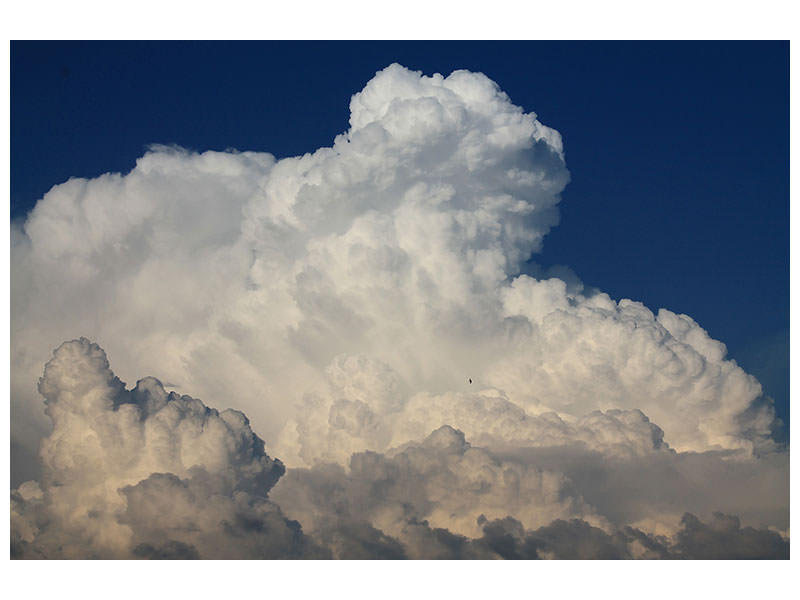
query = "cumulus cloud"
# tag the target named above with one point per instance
(343, 300)
(144, 473)
(443, 480)
(240, 275)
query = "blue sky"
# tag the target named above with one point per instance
(678, 152)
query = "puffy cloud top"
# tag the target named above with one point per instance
(245, 275)
(116, 437)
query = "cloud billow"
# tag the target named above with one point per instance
(145, 473)
(343, 300)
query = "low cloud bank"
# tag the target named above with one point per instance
(141, 473)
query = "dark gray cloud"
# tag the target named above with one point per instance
(171, 550)
(721, 538)
(724, 538)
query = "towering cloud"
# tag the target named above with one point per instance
(342, 300)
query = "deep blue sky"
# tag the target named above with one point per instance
(679, 151)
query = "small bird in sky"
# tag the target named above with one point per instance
(470, 380)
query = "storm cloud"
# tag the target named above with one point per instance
(371, 309)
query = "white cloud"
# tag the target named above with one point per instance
(245, 276)
(592, 353)
(343, 299)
